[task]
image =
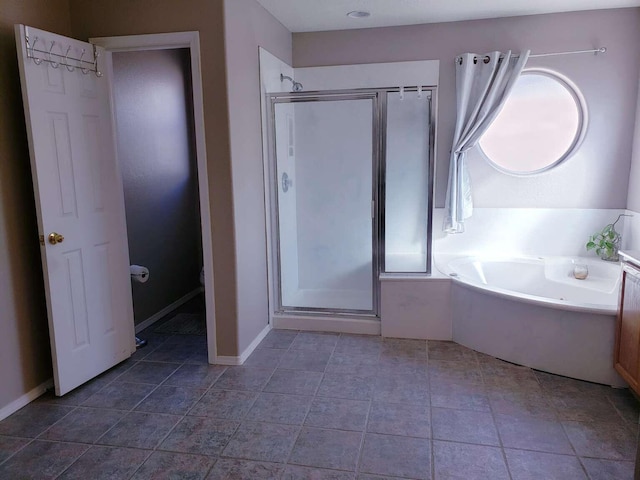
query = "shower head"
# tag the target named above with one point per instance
(297, 86)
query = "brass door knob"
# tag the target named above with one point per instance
(55, 238)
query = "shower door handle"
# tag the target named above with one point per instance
(286, 182)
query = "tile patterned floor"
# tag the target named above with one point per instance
(323, 406)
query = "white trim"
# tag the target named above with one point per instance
(240, 359)
(25, 399)
(362, 326)
(166, 310)
(189, 40)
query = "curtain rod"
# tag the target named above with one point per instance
(595, 51)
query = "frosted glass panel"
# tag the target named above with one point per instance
(324, 171)
(406, 186)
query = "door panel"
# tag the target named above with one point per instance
(78, 191)
(324, 150)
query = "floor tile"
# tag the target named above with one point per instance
(353, 364)
(359, 344)
(353, 387)
(10, 445)
(525, 465)
(443, 372)
(294, 472)
(397, 456)
(174, 466)
(399, 419)
(83, 425)
(33, 419)
(441, 350)
(558, 385)
(318, 341)
(41, 460)
(231, 469)
(464, 426)
(197, 376)
(333, 449)
(335, 382)
(171, 399)
(170, 352)
(309, 360)
(265, 442)
(465, 461)
(601, 440)
(530, 433)
(401, 389)
(119, 396)
(367, 476)
(293, 382)
(461, 397)
(509, 379)
(244, 378)
(139, 430)
(76, 396)
(338, 413)
(230, 404)
(625, 404)
(522, 404)
(404, 347)
(402, 365)
(106, 463)
(598, 469)
(148, 372)
(200, 435)
(582, 408)
(278, 339)
(279, 408)
(264, 357)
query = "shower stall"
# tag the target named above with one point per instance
(351, 186)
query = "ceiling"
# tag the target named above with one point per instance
(319, 15)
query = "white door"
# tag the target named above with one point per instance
(78, 192)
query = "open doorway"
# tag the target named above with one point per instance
(157, 103)
(155, 137)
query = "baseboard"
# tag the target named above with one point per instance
(25, 399)
(166, 310)
(361, 326)
(240, 359)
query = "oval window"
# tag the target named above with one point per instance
(541, 124)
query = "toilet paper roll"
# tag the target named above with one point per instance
(139, 273)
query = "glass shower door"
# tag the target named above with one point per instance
(324, 150)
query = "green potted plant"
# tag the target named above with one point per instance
(606, 242)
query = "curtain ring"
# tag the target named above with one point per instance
(487, 59)
(475, 60)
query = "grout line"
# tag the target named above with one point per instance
(495, 423)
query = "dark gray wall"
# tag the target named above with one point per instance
(157, 156)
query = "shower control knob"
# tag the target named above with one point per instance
(286, 182)
(55, 238)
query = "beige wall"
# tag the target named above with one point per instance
(25, 360)
(96, 18)
(249, 26)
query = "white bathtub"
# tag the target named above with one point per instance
(532, 311)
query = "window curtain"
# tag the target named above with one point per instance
(483, 83)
